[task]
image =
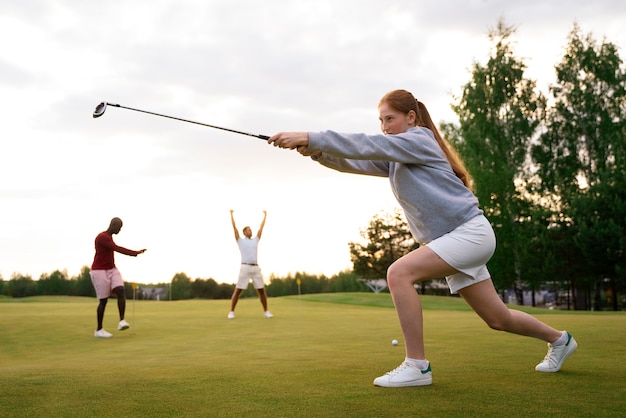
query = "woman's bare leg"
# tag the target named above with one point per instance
(486, 302)
(421, 264)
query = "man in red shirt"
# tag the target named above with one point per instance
(106, 278)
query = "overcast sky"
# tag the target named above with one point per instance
(255, 66)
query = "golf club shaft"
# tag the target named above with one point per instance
(264, 137)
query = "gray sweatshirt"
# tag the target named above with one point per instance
(435, 201)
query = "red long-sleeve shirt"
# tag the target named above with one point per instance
(105, 249)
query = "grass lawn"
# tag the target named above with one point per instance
(316, 358)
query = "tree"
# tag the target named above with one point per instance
(388, 238)
(21, 286)
(82, 285)
(181, 286)
(55, 283)
(346, 281)
(581, 160)
(499, 113)
(205, 289)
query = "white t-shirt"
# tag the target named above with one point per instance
(248, 249)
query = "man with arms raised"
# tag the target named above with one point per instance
(249, 269)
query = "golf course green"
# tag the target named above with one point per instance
(316, 358)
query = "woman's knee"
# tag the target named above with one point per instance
(499, 322)
(495, 324)
(398, 275)
(484, 300)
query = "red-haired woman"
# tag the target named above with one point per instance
(434, 189)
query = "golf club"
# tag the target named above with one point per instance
(102, 107)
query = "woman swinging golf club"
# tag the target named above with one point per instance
(434, 188)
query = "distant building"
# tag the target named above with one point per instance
(153, 293)
(376, 285)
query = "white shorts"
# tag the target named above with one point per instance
(247, 273)
(468, 248)
(105, 280)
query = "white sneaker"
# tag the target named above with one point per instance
(268, 314)
(557, 355)
(231, 315)
(101, 333)
(123, 325)
(404, 375)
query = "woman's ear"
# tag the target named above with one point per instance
(412, 117)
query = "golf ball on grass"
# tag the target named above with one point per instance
(394, 342)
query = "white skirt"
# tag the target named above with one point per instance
(467, 249)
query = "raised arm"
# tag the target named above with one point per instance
(232, 220)
(258, 234)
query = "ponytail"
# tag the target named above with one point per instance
(452, 155)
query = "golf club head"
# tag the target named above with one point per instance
(100, 110)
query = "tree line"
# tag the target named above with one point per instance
(181, 286)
